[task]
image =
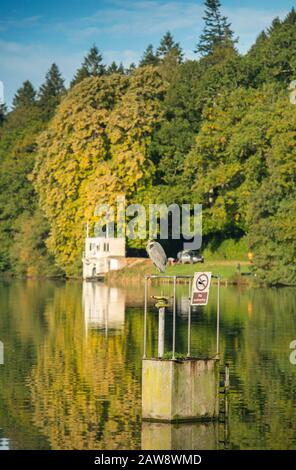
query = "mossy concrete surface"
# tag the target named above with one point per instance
(180, 390)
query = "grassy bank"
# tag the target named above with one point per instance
(227, 269)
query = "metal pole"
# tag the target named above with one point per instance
(161, 320)
(174, 320)
(226, 404)
(145, 318)
(189, 321)
(218, 317)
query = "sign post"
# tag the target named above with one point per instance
(199, 297)
(186, 388)
(200, 288)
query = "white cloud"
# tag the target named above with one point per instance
(18, 23)
(126, 56)
(152, 17)
(135, 18)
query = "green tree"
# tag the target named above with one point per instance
(193, 86)
(95, 148)
(169, 47)
(131, 68)
(272, 57)
(228, 161)
(176, 134)
(114, 68)
(17, 154)
(51, 92)
(272, 206)
(25, 96)
(217, 33)
(28, 253)
(92, 66)
(242, 169)
(149, 57)
(272, 234)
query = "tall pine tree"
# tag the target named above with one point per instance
(92, 66)
(51, 92)
(273, 56)
(168, 46)
(149, 57)
(25, 95)
(217, 33)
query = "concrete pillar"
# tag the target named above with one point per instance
(180, 390)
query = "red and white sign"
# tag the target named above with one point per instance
(200, 288)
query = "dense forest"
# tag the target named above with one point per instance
(219, 130)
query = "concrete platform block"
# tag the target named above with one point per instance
(180, 390)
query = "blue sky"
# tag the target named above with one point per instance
(33, 34)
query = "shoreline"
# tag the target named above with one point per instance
(227, 270)
(133, 274)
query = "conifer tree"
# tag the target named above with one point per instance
(169, 47)
(132, 67)
(51, 92)
(149, 57)
(92, 66)
(114, 68)
(217, 30)
(272, 57)
(25, 95)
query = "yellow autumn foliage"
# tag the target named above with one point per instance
(95, 148)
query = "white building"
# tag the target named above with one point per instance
(101, 255)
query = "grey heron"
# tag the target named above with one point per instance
(157, 255)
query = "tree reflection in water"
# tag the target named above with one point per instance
(67, 384)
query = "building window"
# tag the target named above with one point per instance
(106, 246)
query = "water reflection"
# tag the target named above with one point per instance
(183, 436)
(63, 389)
(4, 443)
(104, 307)
(183, 303)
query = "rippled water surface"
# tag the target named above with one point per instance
(71, 377)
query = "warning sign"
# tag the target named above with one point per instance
(200, 288)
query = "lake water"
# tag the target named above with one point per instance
(71, 377)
